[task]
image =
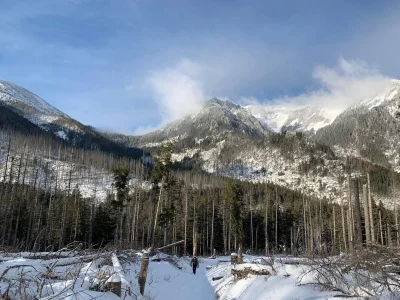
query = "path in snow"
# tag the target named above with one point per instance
(167, 282)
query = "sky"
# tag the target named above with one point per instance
(131, 66)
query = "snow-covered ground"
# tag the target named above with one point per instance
(285, 282)
(74, 276)
(35, 276)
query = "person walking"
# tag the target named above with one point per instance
(194, 263)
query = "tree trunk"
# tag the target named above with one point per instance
(388, 236)
(359, 235)
(366, 216)
(343, 227)
(240, 254)
(349, 215)
(371, 218)
(305, 224)
(194, 228)
(143, 272)
(266, 223)
(156, 215)
(380, 227)
(212, 226)
(230, 230)
(251, 228)
(224, 227)
(291, 241)
(64, 213)
(186, 219)
(276, 220)
(397, 224)
(334, 229)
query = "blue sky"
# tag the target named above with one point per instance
(133, 65)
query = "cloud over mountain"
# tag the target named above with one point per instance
(176, 90)
(339, 87)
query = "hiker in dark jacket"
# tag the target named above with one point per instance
(194, 263)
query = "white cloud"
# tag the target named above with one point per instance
(342, 86)
(177, 91)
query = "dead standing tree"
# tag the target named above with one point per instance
(160, 176)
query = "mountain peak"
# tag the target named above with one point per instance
(222, 103)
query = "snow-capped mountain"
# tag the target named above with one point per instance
(369, 129)
(288, 118)
(218, 118)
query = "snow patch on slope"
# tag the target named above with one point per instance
(299, 118)
(274, 117)
(62, 134)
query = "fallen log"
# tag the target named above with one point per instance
(243, 273)
(170, 260)
(171, 245)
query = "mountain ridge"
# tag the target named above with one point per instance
(50, 119)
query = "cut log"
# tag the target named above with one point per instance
(217, 278)
(114, 285)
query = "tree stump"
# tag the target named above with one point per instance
(143, 272)
(240, 256)
(234, 258)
